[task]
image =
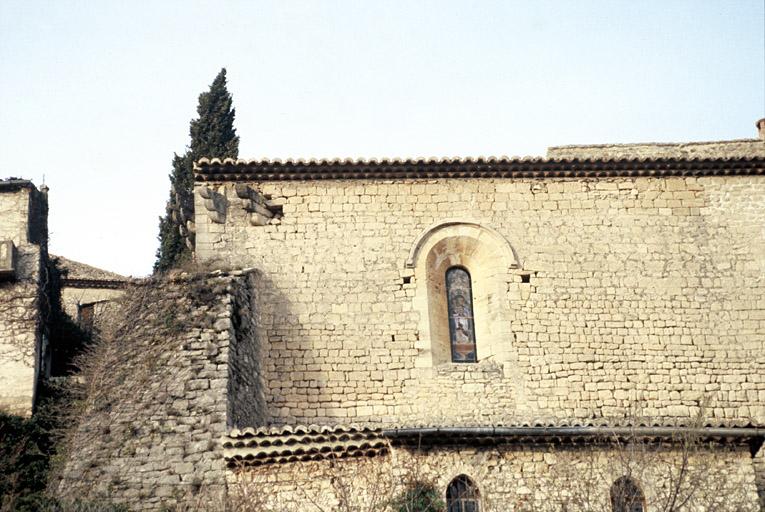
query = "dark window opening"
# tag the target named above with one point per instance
(85, 313)
(626, 496)
(525, 278)
(462, 495)
(459, 297)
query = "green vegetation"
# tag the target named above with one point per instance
(419, 497)
(25, 451)
(213, 136)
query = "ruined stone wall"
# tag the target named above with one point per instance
(514, 478)
(158, 393)
(23, 220)
(622, 291)
(719, 149)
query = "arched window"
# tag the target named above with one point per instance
(626, 496)
(462, 495)
(493, 268)
(459, 296)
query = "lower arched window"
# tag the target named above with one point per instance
(626, 496)
(462, 495)
(459, 297)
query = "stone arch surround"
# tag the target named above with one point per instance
(490, 260)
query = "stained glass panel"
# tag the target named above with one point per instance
(459, 297)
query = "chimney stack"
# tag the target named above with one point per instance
(761, 128)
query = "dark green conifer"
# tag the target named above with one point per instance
(212, 135)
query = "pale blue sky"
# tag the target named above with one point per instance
(97, 95)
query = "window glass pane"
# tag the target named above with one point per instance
(462, 495)
(459, 297)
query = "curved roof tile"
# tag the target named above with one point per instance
(276, 444)
(227, 170)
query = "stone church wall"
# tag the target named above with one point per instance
(23, 221)
(612, 292)
(522, 479)
(167, 380)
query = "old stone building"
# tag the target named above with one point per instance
(87, 290)
(601, 278)
(25, 293)
(505, 329)
(24, 354)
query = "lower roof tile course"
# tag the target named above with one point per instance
(281, 444)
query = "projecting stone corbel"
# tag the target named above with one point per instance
(215, 204)
(242, 190)
(260, 210)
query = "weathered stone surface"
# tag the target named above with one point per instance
(158, 404)
(613, 293)
(23, 329)
(592, 296)
(629, 290)
(521, 479)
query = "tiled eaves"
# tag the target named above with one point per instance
(230, 170)
(751, 437)
(112, 284)
(274, 445)
(658, 421)
(78, 271)
(255, 447)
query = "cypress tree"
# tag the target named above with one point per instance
(212, 135)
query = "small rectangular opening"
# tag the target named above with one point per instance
(525, 278)
(85, 314)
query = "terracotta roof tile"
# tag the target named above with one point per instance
(279, 444)
(272, 445)
(76, 270)
(217, 170)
